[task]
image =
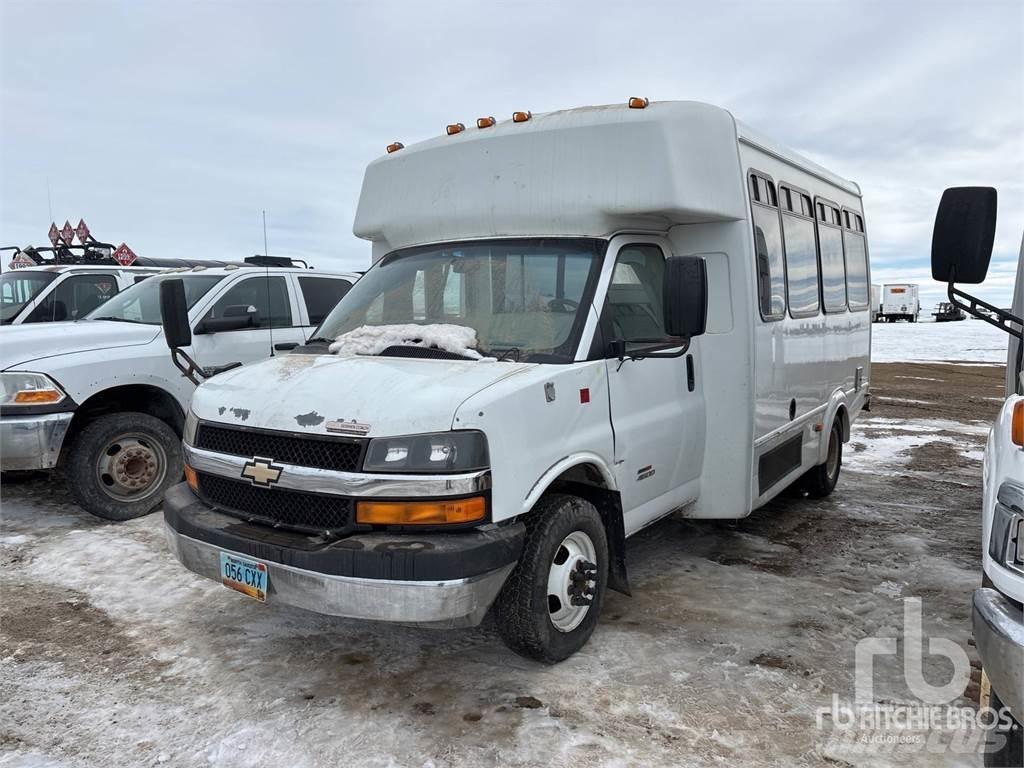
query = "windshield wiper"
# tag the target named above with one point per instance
(320, 340)
(513, 353)
(121, 320)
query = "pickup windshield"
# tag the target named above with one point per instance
(525, 299)
(141, 302)
(19, 288)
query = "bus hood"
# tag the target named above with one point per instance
(391, 395)
(21, 345)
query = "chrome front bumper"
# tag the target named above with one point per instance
(452, 603)
(999, 635)
(32, 442)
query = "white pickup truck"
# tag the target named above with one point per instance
(99, 398)
(961, 248)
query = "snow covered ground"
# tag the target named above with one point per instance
(967, 340)
(736, 634)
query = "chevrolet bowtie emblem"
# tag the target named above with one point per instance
(261, 471)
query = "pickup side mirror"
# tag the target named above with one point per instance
(174, 313)
(965, 227)
(685, 296)
(236, 317)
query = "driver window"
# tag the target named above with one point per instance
(634, 310)
(268, 296)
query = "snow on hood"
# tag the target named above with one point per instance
(301, 393)
(21, 344)
(374, 339)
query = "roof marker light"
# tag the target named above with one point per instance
(455, 128)
(638, 102)
(395, 147)
(521, 117)
(485, 122)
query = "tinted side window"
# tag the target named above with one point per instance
(321, 294)
(856, 269)
(771, 280)
(801, 265)
(634, 309)
(74, 298)
(833, 270)
(267, 295)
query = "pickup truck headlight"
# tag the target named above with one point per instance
(441, 452)
(21, 388)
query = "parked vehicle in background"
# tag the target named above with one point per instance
(572, 346)
(900, 302)
(876, 303)
(961, 249)
(44, 285)
(99, 400)
(947, 312)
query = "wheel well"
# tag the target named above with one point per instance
(133, 397)
(588, 482)
(844, 422)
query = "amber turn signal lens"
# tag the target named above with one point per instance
(485, 122)
(638, 102)
(37, 396)
(1017, 424)
(455, 128)
(395, 147)
(521, 117)
(191, 479)
(421, 512)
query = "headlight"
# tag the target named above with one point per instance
(191, 426)
(441, 452)
(29, 389)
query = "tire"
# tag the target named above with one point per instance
(1005, 748)
(821, 480)
(120, 464)
(531, 623)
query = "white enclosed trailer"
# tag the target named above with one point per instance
(876, 302)
(674, 316)
(900, 302)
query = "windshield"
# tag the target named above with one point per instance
(19, 288)
(525, 299)
(141, 302)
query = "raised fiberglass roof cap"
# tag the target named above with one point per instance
(580, 172)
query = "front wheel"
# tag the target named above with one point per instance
(120, 464)
(821, 480)
(550, 604)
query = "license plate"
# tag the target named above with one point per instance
(245, 576)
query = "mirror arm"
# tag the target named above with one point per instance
(990, 313)
(193, 371)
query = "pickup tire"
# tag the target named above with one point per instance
(120, 464)
(821, 480)
(550, 603)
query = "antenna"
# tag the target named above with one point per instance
(266, 271)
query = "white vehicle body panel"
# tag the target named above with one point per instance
(900, 299)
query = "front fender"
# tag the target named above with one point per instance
(562, 466)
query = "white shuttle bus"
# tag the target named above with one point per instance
(576, 323)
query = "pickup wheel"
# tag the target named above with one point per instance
(120, 464)
(821, 480)
(550, 604)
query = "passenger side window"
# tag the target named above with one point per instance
(634, 309)
(830, 255)
(321, 294)
(771, 275)
(801, 256)
(856, 261)
(74, 298)
(268, 296)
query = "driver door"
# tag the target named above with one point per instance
(656, 406)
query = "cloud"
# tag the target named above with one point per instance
(172, 126)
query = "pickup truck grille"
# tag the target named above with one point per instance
(279, 507)
(343, 454)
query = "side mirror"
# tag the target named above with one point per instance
(686, 296)
(236, 317)
(965, 226)
(174, 313)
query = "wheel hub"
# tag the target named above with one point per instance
(130, 467)
(572, 581)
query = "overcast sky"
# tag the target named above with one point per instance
(171, 125)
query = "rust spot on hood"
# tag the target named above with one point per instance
(310, 419)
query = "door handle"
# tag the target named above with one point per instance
(284, 346)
